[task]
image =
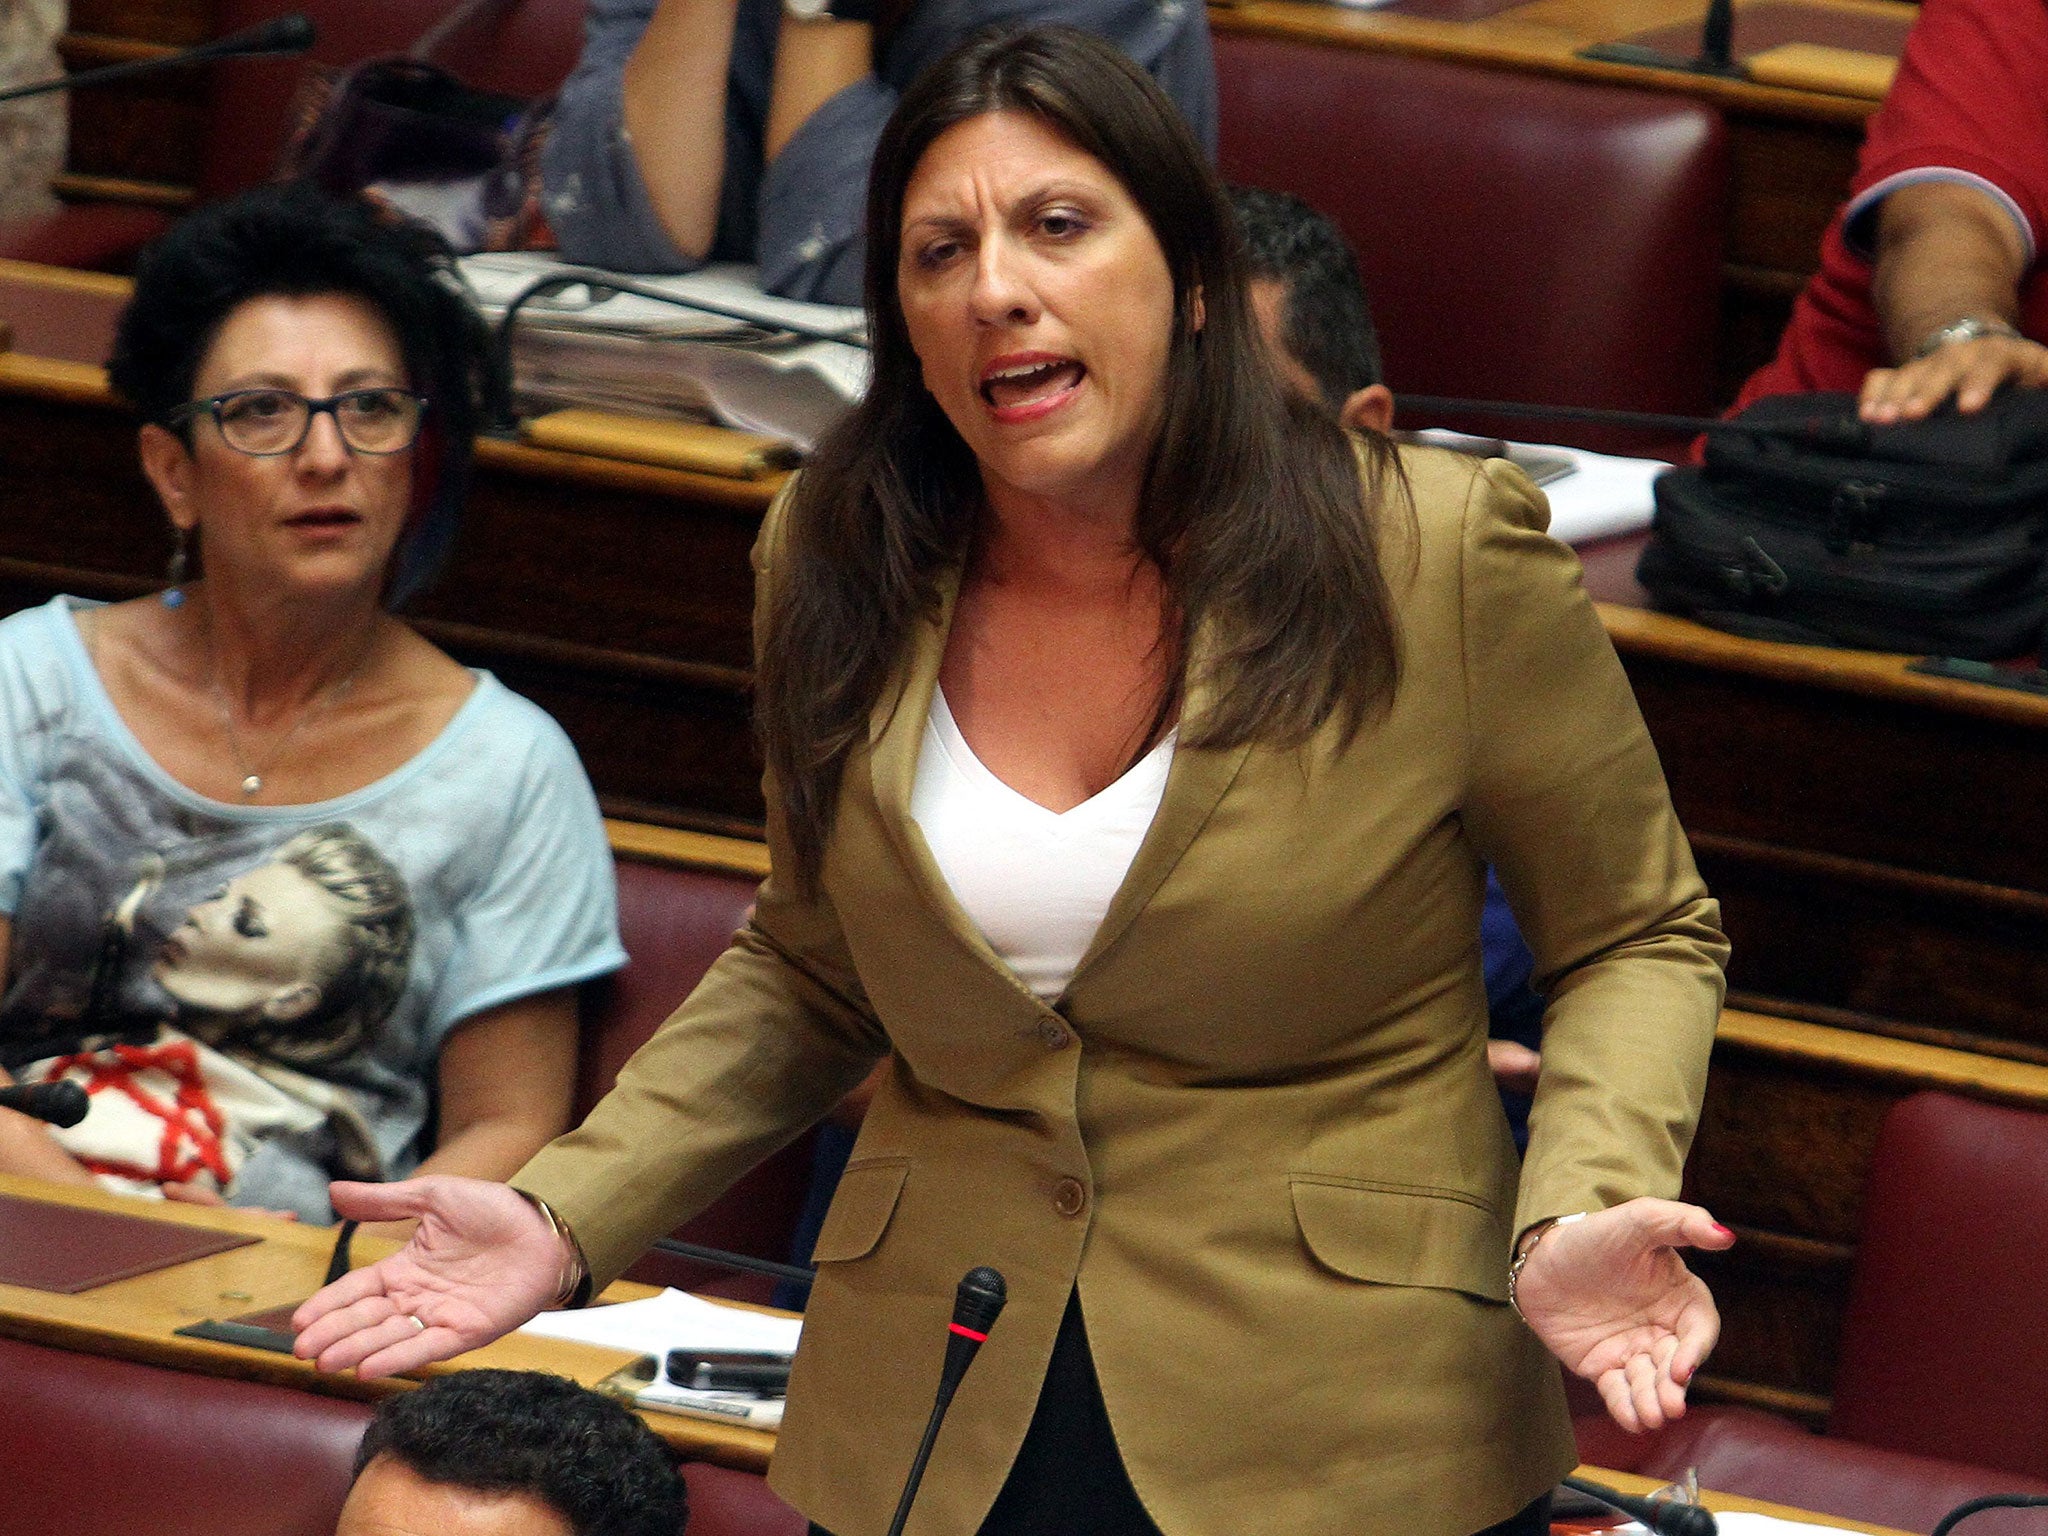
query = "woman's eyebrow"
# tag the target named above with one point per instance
(355, 378)
(1028, 200)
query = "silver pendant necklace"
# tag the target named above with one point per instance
(253, 776)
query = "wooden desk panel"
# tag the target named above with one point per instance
(137, 1319)
(1874, 837)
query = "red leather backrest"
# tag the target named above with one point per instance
(91, 1445)
(1945, 1344)
(1521, 238)
(528, 53)
(674, 923)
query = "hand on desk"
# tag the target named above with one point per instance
(481, 1262)
(1610, 1297)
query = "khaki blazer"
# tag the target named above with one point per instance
(1257, 1130)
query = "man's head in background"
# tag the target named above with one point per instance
(1311, 304)
(510, 1453)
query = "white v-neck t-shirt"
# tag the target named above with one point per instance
(1036, 882)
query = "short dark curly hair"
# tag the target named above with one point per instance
(1329, 327)
(293, 240)
(586, 1456)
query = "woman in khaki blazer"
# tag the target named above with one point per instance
(1245, 1173)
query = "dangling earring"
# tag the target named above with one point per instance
(174, 575)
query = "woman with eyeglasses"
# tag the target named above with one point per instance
(281, 884)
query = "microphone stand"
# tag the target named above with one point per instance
(282, 35)
(976, 1305)
(1716, 55)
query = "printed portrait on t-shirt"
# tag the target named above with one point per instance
(290, 965)
(298, 960)
(296, 957)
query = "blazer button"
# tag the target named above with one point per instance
(1052, 1034)
(1069, 1198)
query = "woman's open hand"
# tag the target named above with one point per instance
(1610, 1297)
(481, 1262)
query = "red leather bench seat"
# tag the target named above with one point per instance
(91, 1446)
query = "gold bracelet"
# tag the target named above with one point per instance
(1525, 1246)
(572, 1280)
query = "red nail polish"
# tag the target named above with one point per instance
(1724, 1231)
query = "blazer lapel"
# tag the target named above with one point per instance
(895, 738)
(1195, 784)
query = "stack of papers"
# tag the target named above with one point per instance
(678, 1320)
(1596, 496)
(643, 357)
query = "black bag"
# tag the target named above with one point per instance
(407, 133)
(1928, 537)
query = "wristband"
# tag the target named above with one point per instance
(572, 1280)
(1527, 1246)
(1969, 328)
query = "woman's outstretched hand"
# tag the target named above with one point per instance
(481, 1262)
(1610, 1297)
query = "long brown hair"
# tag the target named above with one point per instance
(1251, 506)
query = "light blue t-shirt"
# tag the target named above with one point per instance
(325, 951)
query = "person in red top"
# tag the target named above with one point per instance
(1931, 281)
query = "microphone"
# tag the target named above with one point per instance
(1667, 1517)
(1716, 55)
(976, 1305)
(279, 35)
(62, 1104)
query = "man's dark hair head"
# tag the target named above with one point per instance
(587, 1457)
(1329, 326)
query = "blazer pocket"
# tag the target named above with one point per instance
(1401, 1234)
(861, 1209)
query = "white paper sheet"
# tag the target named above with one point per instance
(1605, 495)
(1743, 1523)
(672, 1320)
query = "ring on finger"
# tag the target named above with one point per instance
(418, 1323)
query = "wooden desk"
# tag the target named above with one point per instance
(137, 1319)
(1793, 151)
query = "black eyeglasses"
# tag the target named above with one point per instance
(268, 422)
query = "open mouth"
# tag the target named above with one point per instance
(1020, 385)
